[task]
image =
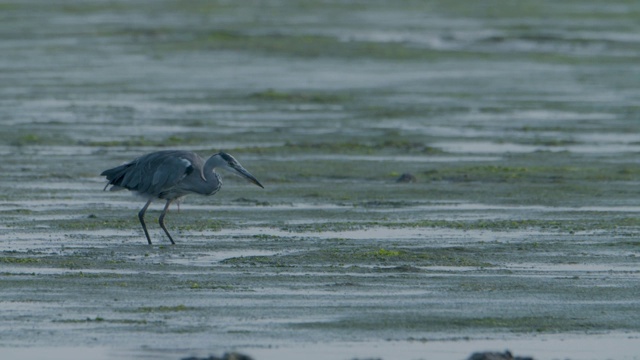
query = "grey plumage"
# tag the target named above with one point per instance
(170, 175)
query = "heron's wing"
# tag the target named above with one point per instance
(153, 173)
(166, 173)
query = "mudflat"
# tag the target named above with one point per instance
(515, 123)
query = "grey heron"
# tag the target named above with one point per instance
(171, 175)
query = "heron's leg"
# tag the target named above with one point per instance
(161, 221)
(141, 217)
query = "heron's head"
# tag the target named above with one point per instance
(229, 163)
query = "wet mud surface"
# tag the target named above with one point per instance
(519, 125)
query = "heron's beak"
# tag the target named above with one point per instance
(247, 175)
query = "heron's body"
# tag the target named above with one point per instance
(170, 175)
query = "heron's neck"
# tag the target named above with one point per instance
(210, 165)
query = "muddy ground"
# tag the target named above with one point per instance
(519, 121)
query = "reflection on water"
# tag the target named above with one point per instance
(624, 345)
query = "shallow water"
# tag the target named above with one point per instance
(518, 120)
(554, 347)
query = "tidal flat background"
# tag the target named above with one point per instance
(519, 121)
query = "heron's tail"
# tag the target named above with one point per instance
(116, 176)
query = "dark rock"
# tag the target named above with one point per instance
(406, 178)
(226, 356)
(496, 356)
(236, 356)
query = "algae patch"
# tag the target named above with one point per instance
(19, 260)
(164, 309)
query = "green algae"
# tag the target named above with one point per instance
(164, 309)
(566, 226)
(569, 226)
(299, 97)
(99, 319)
(561, 173)
(342, 256)
(418, 322)
(137, 141)
(386, 253)
(313, 46)
(32, 139)
(383, 146)
(94, 223)
(19, 260)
